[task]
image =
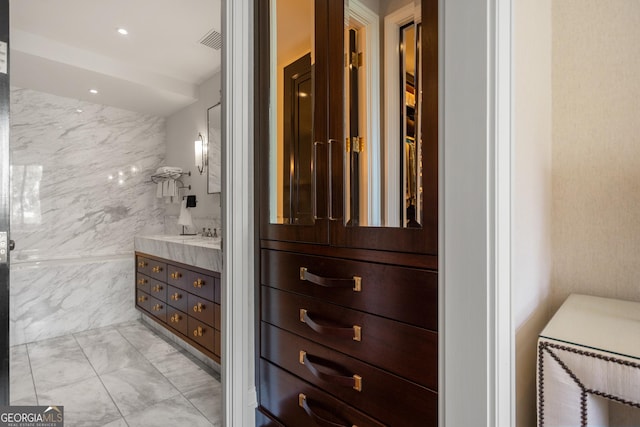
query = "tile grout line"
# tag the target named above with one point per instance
(181, 351)
(33, 378)
(100, 379)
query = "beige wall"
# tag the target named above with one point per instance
(596, 149)
(596, 154)
(531, 256)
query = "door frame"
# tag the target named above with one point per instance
(4, 207)
(476, 350)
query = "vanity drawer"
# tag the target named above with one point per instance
(202, 333)
(217, 324)
(142, 283)
(142, 300)
(152, 268)
(177, 298)
(158, 308)
(284, 395)
(202, 309)
(203, 285)
(406, 294)
(405, 350)
(177, 320)
(158, 290)
(178, 276)
(408, 405)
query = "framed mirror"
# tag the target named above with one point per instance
(214, 149)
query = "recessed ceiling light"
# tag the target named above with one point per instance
(79, 110)
(93, 91)
(123, 31)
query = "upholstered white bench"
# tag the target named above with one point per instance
(588, 355)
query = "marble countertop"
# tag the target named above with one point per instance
(203, 252)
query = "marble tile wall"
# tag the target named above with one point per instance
(80, 192)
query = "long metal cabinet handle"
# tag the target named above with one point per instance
(354, 332)
(314, 178)
(330, 175)
(354, 283)
(303, 402)
(353, 381)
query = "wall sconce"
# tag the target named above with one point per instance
(201, 153)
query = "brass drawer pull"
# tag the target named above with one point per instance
(355, 283)
(353, 381)
(303, 402)
(175, 297)
(198, 332)
(157, 288)
(198, 283)
(198, 307)
(142, 281)
(142, 299)
(157, 307)
(156, 269)
(142, 264)
(175, 318)
(176, 275)
(354, 332)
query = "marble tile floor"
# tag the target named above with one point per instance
(123, 375)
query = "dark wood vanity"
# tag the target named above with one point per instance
(182, 298)
(348, 215)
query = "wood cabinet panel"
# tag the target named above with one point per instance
(202, 285)
(177, 320)
(408, 405)
(142, 282)
(152, 267)
(405, 294)
(177, 298)
(158, 308)
(201, 309)
(280, 394)
(405, 350)
(178, 277)
(171, 302)
(202, 333)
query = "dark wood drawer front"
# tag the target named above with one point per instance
(282, 394)
(218, 323)
(218, 343)
(408, 405)
(177, 298)
(158, 290)
(405, 294)
(202, 285)
(142, 283)
(265, 420)
(202, 309)
(202, 333)
(158, 308)
(405, 350)
(178, 277)
(142, 300)
(152, 268)
(177, 320)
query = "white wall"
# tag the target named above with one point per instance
(531, 221)
(182, 130)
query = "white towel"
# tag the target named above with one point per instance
(173, 188)
(185, 215)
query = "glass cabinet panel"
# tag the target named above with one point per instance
(382, 104)
(291, 104)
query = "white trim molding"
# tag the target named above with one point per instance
(476, 333)
(238, 348)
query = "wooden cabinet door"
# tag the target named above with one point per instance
(292, 119)
(356, 165)
(384, 186)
